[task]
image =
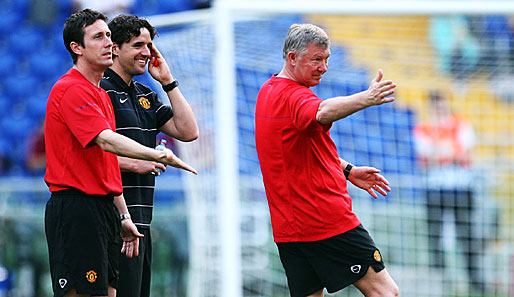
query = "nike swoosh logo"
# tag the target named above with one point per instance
(123, 101)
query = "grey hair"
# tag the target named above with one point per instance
(299, 37)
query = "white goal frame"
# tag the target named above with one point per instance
(222, 15)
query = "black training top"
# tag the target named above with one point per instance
(139, 113)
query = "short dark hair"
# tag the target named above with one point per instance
(126, 26)
(74, 28)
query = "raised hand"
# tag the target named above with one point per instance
(379, 90)
(158, 68)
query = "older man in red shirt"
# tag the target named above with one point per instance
(321, 242)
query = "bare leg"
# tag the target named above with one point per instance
(112, 292)
(73, 293)
(377, 284)
(317, 294)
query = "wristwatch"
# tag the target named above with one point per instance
(124, 216)
(346, 171)
(170, 86)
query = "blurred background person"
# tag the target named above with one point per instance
(36, 156)
(457, 50)
(443, 146)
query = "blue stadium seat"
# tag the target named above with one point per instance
(152, 7)
(15, 130)
(146, 7)
(11, 19)
(25, 39)
(47, 64)
(7, 63)
(4, 104)
(20, 6)
(177, 5)
(20, 85)
(338, 58)
(36, 107)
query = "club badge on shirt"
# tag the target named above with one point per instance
(144, 102)
(377, 256)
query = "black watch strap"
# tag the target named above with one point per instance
(347, 170)
(170, 86)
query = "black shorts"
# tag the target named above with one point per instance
(82, 233)
(135, 272)
(333, 263)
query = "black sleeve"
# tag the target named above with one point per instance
(163, 111)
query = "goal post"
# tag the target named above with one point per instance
(222, 55)
(227, 152)
(374, 7)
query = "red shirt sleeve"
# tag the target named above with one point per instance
(305, 106)
(83, 114)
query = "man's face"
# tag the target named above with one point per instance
(97, 45)
(311, 65)
(133, 55)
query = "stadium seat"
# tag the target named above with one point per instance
(20, 85)
(4, 103)
(176, 5)
(20, 6)
(10, 21)
(7, 63)
(47, 64)
(147, 7)
(25, 40)
(36, 107)
(15, 131)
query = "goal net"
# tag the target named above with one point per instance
(464, 50)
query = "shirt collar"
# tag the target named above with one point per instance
(117, 79)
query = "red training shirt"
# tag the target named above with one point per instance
(76, 112)
(303, 176)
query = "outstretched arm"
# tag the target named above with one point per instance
(140, 166)
(333, 109)
(118, 144)
(368, 179)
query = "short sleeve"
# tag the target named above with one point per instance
(82, 114)
(305, 104)
(163, 112)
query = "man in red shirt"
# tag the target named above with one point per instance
(321, 242)
(82, 217)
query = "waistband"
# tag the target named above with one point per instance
(77, 192)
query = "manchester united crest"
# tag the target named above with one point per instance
(91, 276)
(377, 256)
(144, 102)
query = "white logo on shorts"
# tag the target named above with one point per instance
(355, 268)
(63, 282)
